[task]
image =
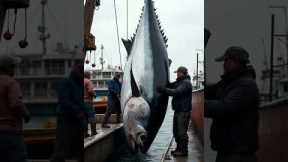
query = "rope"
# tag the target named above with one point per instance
(25, 24)
(127, 7)
(8, 20)
(15, 19)
(94, 57)
(117, 34)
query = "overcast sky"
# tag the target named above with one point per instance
(244, 23)
(182, 21)
(65, 27)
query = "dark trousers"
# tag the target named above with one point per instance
(236, 157)
(113, 106)
(92, 123)
(180, 127)
(69, 140)
(12, 148)
(107, 116)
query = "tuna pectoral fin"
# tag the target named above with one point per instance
(134, 87)
(128, 45)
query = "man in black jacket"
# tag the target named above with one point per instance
(181, 90)
(233, 104)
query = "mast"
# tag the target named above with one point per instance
(42, 28)
(101, 58)
(271, 58)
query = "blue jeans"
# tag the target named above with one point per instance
(12, 147)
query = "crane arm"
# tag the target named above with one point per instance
(89, 39)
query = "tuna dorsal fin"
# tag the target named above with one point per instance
(159, 25)
(134, 87)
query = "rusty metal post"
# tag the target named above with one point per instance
(2, 18)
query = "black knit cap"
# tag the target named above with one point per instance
(182, 69)
(235, 53)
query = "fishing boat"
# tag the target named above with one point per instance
(38, 76)
(46, 59)
(100, 77)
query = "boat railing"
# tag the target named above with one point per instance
(275, 103)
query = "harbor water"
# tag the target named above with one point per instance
(157, 149)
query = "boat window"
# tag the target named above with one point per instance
(101, 84)
(26, 89)
(107, 75)
(36, 67)
(40, 89)
(53, 89)
(94, 75)
(53, 67)
(24, 68)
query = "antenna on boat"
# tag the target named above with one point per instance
(101, 58)
(42, 28)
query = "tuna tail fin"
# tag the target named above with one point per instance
(134, 87)
(128, 45)
(170, 62)
(207, 35)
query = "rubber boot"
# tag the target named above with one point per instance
(105, 120)
(86, 134)
(118, 118)
(176, 150)
(93, 129)
(183, 150)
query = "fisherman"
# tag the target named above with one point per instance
(89, 93)
(181, 90)
(114, 90)
(71, 117)
(12, 113)
(233, 104)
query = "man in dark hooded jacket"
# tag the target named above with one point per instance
(233, 104)
(72, 117)
(181, 91)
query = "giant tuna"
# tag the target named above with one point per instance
(147, 67)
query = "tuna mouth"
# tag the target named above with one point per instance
(140, 139)
(135, 119)
(136, 142)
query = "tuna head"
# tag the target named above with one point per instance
(135, 117)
